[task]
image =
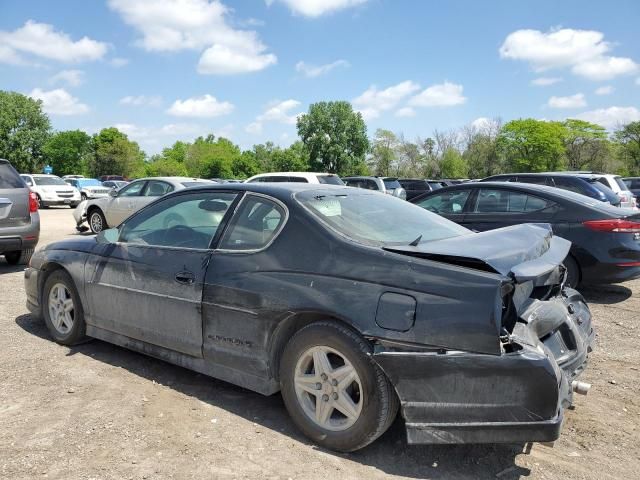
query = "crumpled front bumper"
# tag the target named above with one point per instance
(518, 396)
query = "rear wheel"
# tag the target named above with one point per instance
(335, 393)
(40, 202)
(62, 309)
(20, 257)
(97, 222)
(573, 272)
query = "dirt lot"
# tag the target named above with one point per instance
(97, 411)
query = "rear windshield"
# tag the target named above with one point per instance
(50, 181)
(9, 178)
(378, 220)
(610, 195)
(391, 183)
(330, 179)
(623, 186)
(193, 184)
(414, 184)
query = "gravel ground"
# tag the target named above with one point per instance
(97, 411)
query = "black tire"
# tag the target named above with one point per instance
(574, 275)
(97, 221)
(41, 205)
(20, 257)
(76, 333)
(83, 196)
(379, 400)
(73, 205)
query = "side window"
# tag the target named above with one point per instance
(370, 184)
(254, 225)
(635, 184)
(447, 202)
(156, 188)
(132, 190)
(567, 184)
(533, 180)
(535, 203)
(298, 180)
(27, 180)
(492, 201)
(187, 221)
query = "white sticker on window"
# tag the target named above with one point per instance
(328, 208)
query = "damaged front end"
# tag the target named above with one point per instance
(519, 395)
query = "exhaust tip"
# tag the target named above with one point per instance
(581, 388)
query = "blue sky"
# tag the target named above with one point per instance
(163, 70)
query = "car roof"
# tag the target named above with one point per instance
(289, 174)
(281, 190)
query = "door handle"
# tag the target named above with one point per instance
(185, 278)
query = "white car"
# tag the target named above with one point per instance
(615, 183)
(89, 188)
(297, 177)
(110, 211)
(52, 190)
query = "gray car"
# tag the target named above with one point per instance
(19, 219)
(388, 185)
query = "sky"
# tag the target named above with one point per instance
(167, 70)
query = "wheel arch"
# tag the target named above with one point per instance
(46, 270)
(290, 325)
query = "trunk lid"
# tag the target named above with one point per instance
(14, 197)
(523, 252)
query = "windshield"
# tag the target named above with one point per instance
(330, 179)
(89, 182)
(50, 181)
(391, 183)
(609, 194)
(378, 220)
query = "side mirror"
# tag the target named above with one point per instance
(113, 193)
(108, 236)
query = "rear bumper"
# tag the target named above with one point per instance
(20, 237)
(60, 202)
(605, 273)
(461, 397)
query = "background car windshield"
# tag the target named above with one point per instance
(375, 219)
(89, 182)
(50, 181)
(330, 179)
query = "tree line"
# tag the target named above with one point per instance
(332, 138)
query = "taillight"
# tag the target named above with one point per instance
(613, 225)
(33, 202)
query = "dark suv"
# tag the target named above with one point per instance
(418, 186)
(589, 186)
(19, 219)
(633, 183)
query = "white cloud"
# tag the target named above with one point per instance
(405, 112)
(571, 101)
(611, 117)
(605, 68)
(141, 100)
(59, 102)
(373, 101)
(317, 8)
(72, 78)
(584, 51)
(276, 111)
(119, 62)
(175, 25)
(443, 95)
(545, 81)
(606, 90)
(481, 123)
(202, 107)
(42, 40)
(312, 71)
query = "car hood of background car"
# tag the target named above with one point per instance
(525, 252)
(79, 244)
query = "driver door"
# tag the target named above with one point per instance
(148, 285)
(120, 206)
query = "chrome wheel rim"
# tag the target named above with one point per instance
(328, 388)
(96, 222)
(61, 309)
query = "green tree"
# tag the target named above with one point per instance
(115, 154)
(628, 137)
(165, 167)
(530, 145)
(383, 152)
(68, 152)
(585, 144)
(210, 158)
(335, 137)
(291, 159)
(24, 129)
(176, 152)
(453, 165)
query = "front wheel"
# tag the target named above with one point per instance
(335, 393)
(63, 313)
(97, 222)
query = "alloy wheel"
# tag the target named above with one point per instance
(96, 222)
(61, 308)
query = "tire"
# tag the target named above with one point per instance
(20, 257)
(373, 405)
(96, 221)
(73, 205)
(573, 272)
(41, 204)
(83, 196)
(67, 326)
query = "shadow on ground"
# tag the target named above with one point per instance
(390, 453)
(6, 268)
(606, 294)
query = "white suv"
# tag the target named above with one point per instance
(52, 190)
(297, 177)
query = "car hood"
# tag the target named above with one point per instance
(77, 244)
(55, 188)
(524, 252)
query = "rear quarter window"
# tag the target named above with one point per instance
(9, 178)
